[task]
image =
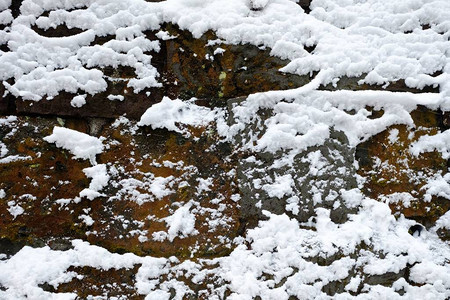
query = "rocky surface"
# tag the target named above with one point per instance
(222, 186)
(187, 68)
(391, 169)
(47, 184)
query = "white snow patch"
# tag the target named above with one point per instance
(158, 186)
(100, 179)
(15, 209)
(116, 97)
(13, 158)
(437, 186)
(403, 198)
(440, 142)
(81, 145)
(164, 35)
(281, 187)
(444, 221)
(78, 101)
(204, 185)
(393, 135)
(180, 224)
(170, 113)
(87, 220)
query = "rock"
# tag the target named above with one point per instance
(10, 247)
(256, 173)
(218, 188)
(126, 217)
(221, 71)
(305, 4)
(351, 83)
(110, 283)
(337, 173)
(392, 172)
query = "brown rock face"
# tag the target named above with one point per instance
(187, 68)
(197, 171)
(214, 186)
(95, 282)
(393, 172)
(217, 71)
(305, 4)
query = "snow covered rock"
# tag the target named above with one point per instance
(79, 144)
(311, 151)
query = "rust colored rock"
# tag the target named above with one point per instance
(391, 169)
(219, 72)
(46, 186)
(97, 282)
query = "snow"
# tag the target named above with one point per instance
(281, 187)
(294, 245)
(86, 220)
(204, 185)
(78, 101)
(438, 186)
(379, 41)
(393, 136)
(116, 97)
(8, 121)
(169, 113)
(13, 158)
(15, 209)
(180, 224)
(440, 142)
(79, 144)
(444, 221)
(158, 187)
(99, 179)
(400, 198)
(164, 35)
(259, 4)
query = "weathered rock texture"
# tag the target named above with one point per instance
(45, 181)
(127, 215)
(187, 68)
(391, 169)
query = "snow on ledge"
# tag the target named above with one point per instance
(168, 113)
(427, 143)
(81, 145)
(381, 40)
